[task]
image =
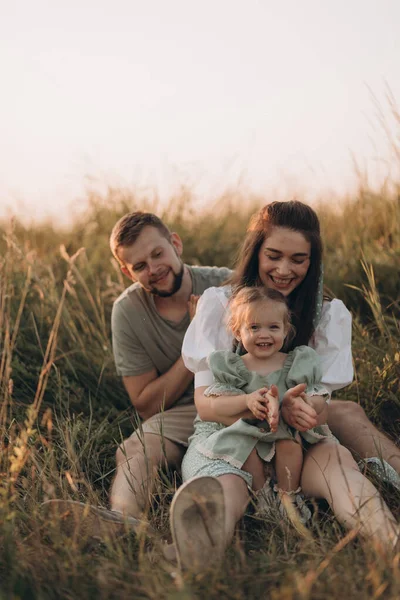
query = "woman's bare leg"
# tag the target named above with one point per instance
(351, 426)
(330, 472)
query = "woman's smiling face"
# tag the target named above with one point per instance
(283, 259)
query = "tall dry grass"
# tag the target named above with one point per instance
(63, 410)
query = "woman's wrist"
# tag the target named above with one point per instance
(318, 403)
(322, 416)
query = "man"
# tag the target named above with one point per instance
(149, 321)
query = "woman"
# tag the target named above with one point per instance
(282, 251)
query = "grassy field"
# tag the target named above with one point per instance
(63, 410)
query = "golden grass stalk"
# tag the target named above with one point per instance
(27, 436)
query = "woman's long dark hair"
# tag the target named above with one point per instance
(302, 301)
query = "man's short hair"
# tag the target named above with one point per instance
(127, 230)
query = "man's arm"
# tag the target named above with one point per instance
(150, 393)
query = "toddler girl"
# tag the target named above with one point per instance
(260, 321)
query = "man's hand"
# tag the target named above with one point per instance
(192, 305)
(295, 410)
(258, 404)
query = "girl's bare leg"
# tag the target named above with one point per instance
(330, 472)
(255, 465)
(288, 464)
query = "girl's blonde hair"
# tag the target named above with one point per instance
(240, 305)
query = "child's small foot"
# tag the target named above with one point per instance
(292, 505)
(266, 500)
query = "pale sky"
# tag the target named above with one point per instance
(267, 94)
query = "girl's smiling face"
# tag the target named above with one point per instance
(263, 328)
(283, 259)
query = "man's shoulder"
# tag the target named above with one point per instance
(133, 291)
(206, 277)
(131, 298)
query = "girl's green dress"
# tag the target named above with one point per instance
(232, 445)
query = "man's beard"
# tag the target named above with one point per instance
(176, 285)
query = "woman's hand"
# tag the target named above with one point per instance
(258, 403)
(318, 403)
(295, 410)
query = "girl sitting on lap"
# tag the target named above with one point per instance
(260, 322)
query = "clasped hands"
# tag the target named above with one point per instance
(296, 409)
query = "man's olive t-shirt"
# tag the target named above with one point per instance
(143, 340)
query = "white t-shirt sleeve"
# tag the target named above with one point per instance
(332, 342)
(206, 333)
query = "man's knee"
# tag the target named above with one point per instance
(145, 447)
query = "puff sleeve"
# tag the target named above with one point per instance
(207, 332)
(229, 372)
(305, 367)
(332, 342)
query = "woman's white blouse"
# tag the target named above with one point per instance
(207, 332)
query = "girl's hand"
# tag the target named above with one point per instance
(192, 305)
(272, 396)
(295, 410)
(258, 404)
